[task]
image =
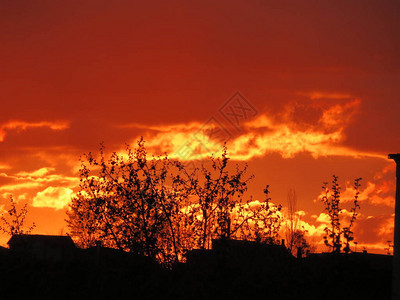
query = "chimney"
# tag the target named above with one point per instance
(396, 249)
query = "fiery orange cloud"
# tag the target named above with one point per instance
(164, 128)
(54, 197)
(378, 191)
(315, 95)
(287, 135)
(19, 186)
(374, 232)
(4, 167)
(41, 188)
(38, 173)
(22, 125)
(39, 176)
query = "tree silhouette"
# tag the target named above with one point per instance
(15, 222)
(294, 233)
(292, 222)
(157, 207)
(126, 203)
(214, 191)
(331, 200)
(257, 221)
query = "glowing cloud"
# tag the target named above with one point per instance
(378, 191)
(324, 95)
(4, 167)
(38, 173)
(22, 125)
(40, 176)
(19, 186)
(54, 197)
(287, 134)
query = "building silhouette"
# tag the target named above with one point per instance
(45, 247)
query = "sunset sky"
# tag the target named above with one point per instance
(300, 90)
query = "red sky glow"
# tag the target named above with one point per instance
(318, 83)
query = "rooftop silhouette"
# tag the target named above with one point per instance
(231, 269)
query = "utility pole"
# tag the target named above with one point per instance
(396, 247)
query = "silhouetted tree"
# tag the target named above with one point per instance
(331, 200)
(14, 223)
(214, 191)
(126, 203)
(217, 208)
(257, 221)
(157, 207)
(292, 221)
(294, 233)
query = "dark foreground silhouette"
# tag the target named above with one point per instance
(52, 268)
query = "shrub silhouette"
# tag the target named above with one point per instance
(332, 202)
(14, 223)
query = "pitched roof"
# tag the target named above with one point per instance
(47, 240)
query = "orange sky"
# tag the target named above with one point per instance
(320, 81)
